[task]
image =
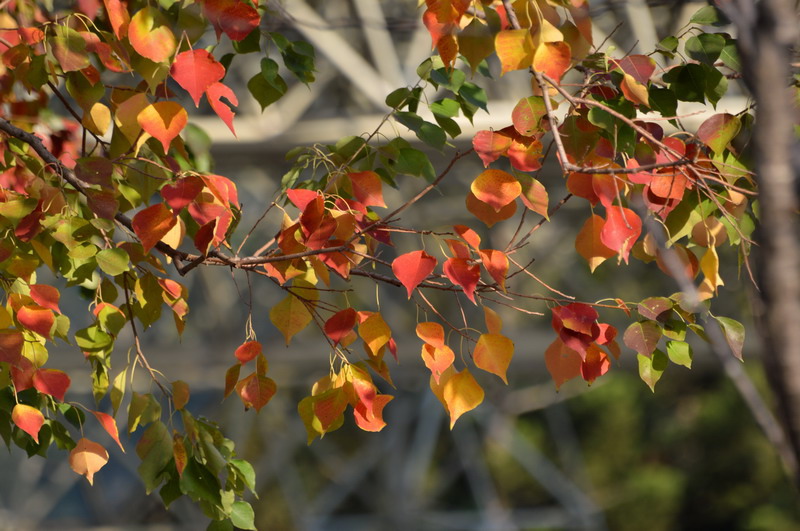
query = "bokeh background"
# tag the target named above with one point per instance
(612, 455)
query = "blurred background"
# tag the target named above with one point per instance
(612, 455)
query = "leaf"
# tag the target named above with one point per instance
(150, 35)
(28, 419)
(621, 230)
(490, 145)
(461, 273)
(734, 334)
(654, 308)
(634, 91)
(461, 393)
(718, 131)
(237, 19)
(562, 362)
(437, 359)
(534, 195)
(87, 458)
(152, 224)
(69, 49)
(242, 515)
(642, 336)
(590, 246)
(525, 153)
(367, 188)
(431, 333)
(215, 93)
(527, 115)
(514, 49)
(709, 16)
(412, 268)
(371, 419)
(496, 188)
(164, 121)
(11, 343)
(45, 296)
(51, 382)
(180, 394)
(181, 193)
(595, 364)
(256, 391)
(375, 333)
(267, 86)
(493, 354)
(118, 16)
(247, 351)
(37, 319)
(553, 59)
(113, 262)
(705, 47)
(290, 316)
(155, 449)
(496, 264)
(195, 71)
(475, 43)
(652, 367)
(110, 425)
(231, 378)
(680, 353)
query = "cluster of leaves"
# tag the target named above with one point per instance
(109, 196)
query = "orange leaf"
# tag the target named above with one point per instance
(553, 59)
(375, 333)
(231, 378)
(490, 145)
(634, 91)
(562, 362)
(150, 35)
(496, 263)
(215, 93)
(51, 382)
(371, 419)
(28, 419)
(118, 17)
(110, 425)
(179, 453)
(45, 296)
(493, 321)
(247, 351)
(328, 407)
(514, 49)
(496, 188)
(431, 333)
(525, 153)
(461, 393)
(87, 458)
(468, 235)
(255, 391)
(412, 268)
(367, 188)
(486, 213)
(37, 319)
(534, 195)
(196, 71)
(493, 354)
(180, 394)
(164, 121)
(595, 365)
(11, 342)
(152, 224)
(437, 359)
(588, 242)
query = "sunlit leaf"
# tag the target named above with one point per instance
(87, 458)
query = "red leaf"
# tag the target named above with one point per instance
(51, 382)
(152, 224)
(204, 237)
(562, 362)
(595, 364)
(341, 324)
(236, 19)
(196, 71)
(607, 188)
(45, 296)
(576, 325)
(461, 273)
(247, 351)
(468, 235)
(255, 391)
(28, 419)
(11, 342)
(621, 230)
(412, 268)
(37, 319)
(110, 425)
(214, 93)
(367, 188)
(301, 197)
(179, 194)
(525, 153)
(22, 374)
(371, 419)
(640, 67)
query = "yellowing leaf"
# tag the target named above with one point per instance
(493, 354)
(97, 119)
(496, 188)
(375, 333)
(562, 362)
(437, 359)
(553, 59)
(150, 36)
(634, 91)
(709, 265)
(163, 120)
(87, 458)
(255, 391)
(514, 49)
(493, 321)
(589, 245)
(290, 316)
(431, 333)
(180, 394)
(28, 419)
(126, 115)
(461, 393)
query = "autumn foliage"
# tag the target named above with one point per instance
(107, 197)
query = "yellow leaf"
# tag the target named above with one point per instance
(87, 458)
(514, 49)
(588, 242)
(461, 393)
(634, 91)
(375, 333)
(97, 119)
(493, 321)
(290, 316)
(493, 354)
(709, 265)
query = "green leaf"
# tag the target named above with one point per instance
(733, 331)
(445, 107)
(245, 471)
(155, 450)
(680, 353)
(118, 390)
(687, 82)
(427, 132)
(705, 47)
(716, 85)
(171, 490)
(250, 44)
(199, 483)
(268, 86)
(242, 515)
(651, 368)
(220, 525)
(113, 262)
(414, 162)
(663, 101)
(668, 44)
(709, 16)
(730, 56)
(398, 97)
(474, 95)
(452, 80)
